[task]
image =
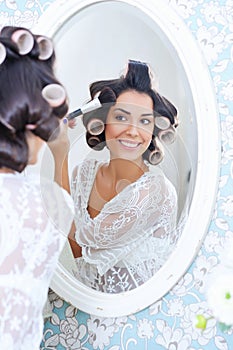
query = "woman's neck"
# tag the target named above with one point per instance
(126, 169)
(111, 179)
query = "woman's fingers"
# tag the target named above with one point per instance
(60, 146)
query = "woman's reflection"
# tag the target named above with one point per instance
(126, 209)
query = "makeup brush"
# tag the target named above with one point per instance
(94, 126)
(88, 107)
(105, 96)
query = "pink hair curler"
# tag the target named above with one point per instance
(95, 143)
(24, 40)
(54, 94)
(45, 46)
(2, 53)
(177, 121)
(167, 136)
(95, 126)
(162, 123)
(157, 155)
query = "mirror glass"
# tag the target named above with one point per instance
(94, 41)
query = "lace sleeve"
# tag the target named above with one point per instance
(35, 221)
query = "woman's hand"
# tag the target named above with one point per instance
(61, 145)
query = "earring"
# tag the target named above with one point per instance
(156, 155)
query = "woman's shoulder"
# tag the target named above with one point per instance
(49, 193)
(17, 182)
(86, 167)
(157, 176)
(33, 191)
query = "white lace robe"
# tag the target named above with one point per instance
(35, 218)
(132, 236)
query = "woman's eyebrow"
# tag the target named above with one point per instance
(122, 110)
(127, 112)
(147, 114)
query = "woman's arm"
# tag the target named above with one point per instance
(76, 249)
(60, 151)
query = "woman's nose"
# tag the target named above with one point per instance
(132, 129)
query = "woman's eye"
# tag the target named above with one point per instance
(145, 121)
(120, 118)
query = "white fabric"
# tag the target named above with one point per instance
(35, 218)
(132, 236)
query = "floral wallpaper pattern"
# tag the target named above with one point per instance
(170, 322)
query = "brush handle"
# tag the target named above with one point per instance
(74, 114)
(88, 107)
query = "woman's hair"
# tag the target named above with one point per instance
(137, 78)
(23, 76)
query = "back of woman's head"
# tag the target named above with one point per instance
(26, 69)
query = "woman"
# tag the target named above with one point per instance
(125, 207)
(35, 213)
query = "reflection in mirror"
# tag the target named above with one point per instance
(112, 260)
(100, 49)
(126, 208)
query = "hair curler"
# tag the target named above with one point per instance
(45, 46)
(24, 41)
(167, 136)
(2, 53)
(162, 123)
(96, 143)
(156, 156)
(95, 126)
(54, 94)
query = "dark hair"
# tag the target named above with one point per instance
(137, 78)
(23, 77)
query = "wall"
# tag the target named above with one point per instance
(169, 323)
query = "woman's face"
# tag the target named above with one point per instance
(130, 125)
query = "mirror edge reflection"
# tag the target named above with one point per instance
(203, 201)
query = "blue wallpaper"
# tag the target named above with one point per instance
(169, 323)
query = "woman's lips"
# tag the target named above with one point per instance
(129, 144)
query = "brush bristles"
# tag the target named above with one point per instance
(107, 95)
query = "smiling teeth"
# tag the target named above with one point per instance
(129, 144)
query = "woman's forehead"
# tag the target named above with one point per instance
(133, 100)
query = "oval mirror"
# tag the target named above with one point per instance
(93, 41)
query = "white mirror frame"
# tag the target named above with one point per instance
(208, 165)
